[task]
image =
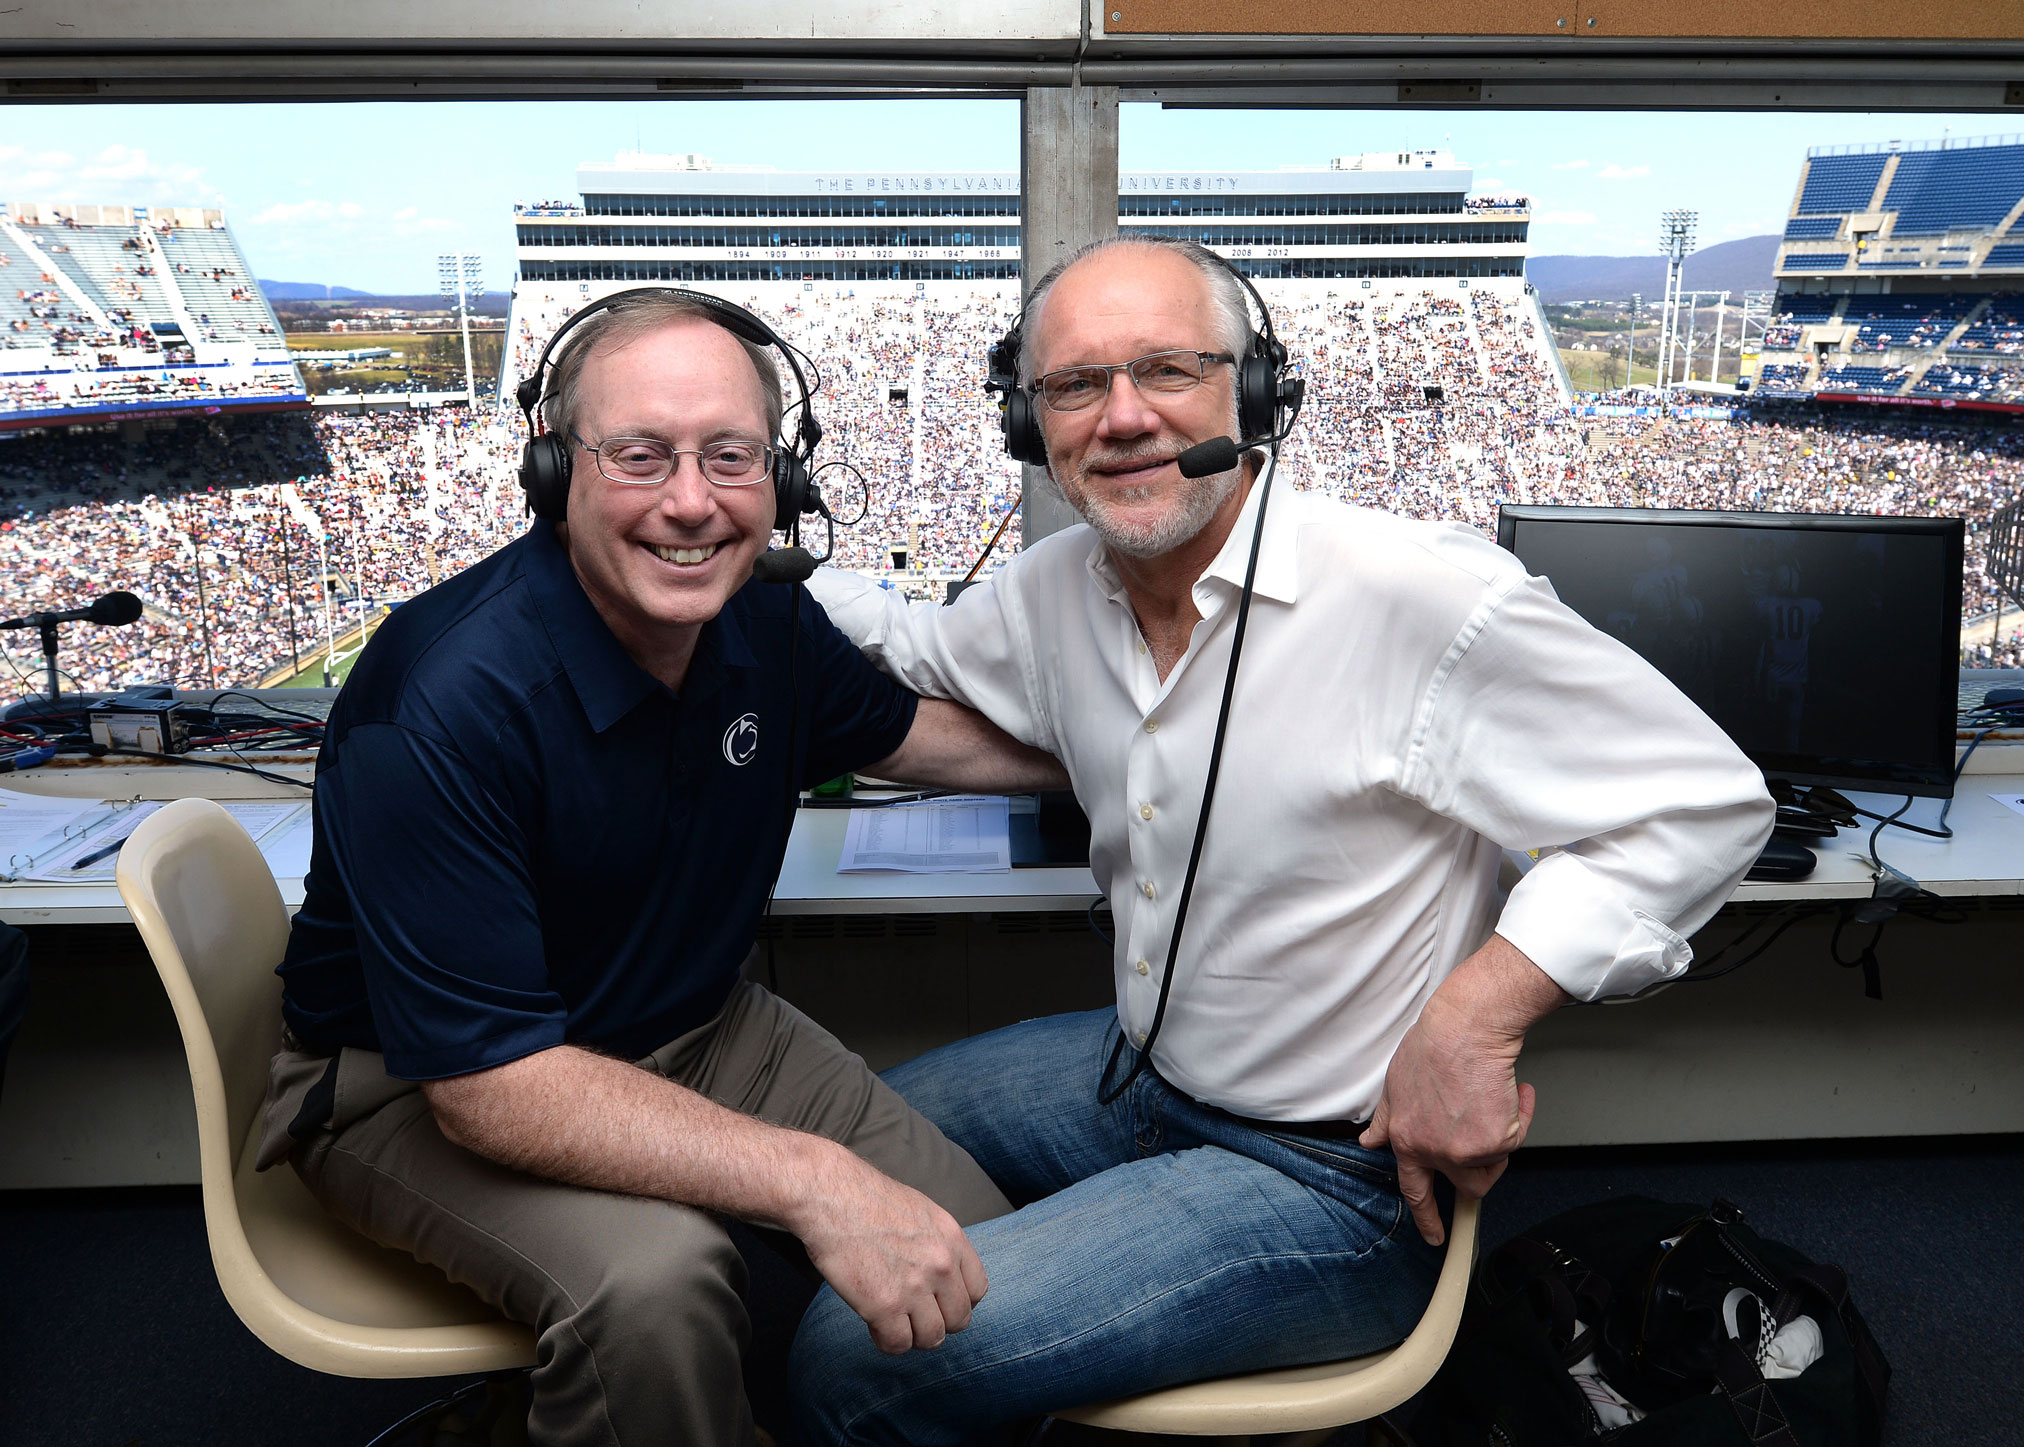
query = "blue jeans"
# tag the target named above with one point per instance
(1157, 1241)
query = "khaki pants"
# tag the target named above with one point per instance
(637, 1302)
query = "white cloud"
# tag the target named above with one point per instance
(344, 217)
(1614, 172)
(117, 174)
(284, 213)
(1570, 165)
(1564, 218)
(1492, 183)
(118, 163)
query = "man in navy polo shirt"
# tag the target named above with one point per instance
(550, 805)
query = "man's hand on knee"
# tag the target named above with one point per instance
(1452, 1102)
(899, 1260)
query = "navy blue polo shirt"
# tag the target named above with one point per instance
(523, 839)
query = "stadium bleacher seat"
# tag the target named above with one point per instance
(2007, 253)
(1780, 376)
(1813, 228)
(1914, 321)
(1945, 190)
(1841, 183)
(2000, 329)
(1816, 260)
(1864, 379)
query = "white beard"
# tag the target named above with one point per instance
(1193, 505)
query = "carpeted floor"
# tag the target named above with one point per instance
(114, 1333)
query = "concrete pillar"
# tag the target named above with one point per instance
(1068, 198)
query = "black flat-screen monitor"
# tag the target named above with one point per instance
(1827, 645)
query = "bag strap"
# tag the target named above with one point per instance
(1574, 1291)
(1757, 1408)
(1831, 1286)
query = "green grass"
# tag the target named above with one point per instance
(1600, 372)
(311, 675)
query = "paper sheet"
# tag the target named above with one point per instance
(286, 846)
(962, 834)
(2014, 802)
(31, 820)
(83, 859)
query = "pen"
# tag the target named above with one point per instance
(97, 854)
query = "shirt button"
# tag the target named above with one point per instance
(1139, 1039)
(1143, 968)
(1145, 811)
(1149, 889)
(1152, 725)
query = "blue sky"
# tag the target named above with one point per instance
(366, 196)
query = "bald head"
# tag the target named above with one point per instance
(1141, 272)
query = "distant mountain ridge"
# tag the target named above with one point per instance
(314, 295)
(308, 291)
(1733, 266)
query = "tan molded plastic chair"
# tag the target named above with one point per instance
(312, 1289)
(1312, 1398)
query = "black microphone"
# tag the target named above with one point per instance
(784, 565)
(1218, 454)
(114, 610)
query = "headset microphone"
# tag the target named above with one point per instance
(1220, 454)
(1206, 459)
(784, 565)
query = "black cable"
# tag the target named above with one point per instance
(1960, 768)
(1881, 823)
(1097, 929)
(215, 764)
(864, 488)
(421, 1414)
(272, 707)
(1145, 1047)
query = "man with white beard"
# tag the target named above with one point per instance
(1238, 1171)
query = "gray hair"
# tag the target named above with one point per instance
(1226, 292)
(627, 322)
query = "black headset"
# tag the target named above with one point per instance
(1265, 394)
(545, 464)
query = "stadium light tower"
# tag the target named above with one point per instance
(463, 276)
(1676, 239)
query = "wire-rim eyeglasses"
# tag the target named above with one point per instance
(648, 461)
(1071, 389)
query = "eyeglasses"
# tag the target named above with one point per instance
(1073, 388)
(647, 461)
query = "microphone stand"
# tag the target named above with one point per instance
(48, 631)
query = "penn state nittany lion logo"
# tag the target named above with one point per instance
(741, 740)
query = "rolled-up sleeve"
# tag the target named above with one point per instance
(1543, 734)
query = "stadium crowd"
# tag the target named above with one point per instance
(1439, 402)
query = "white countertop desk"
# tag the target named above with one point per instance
(1984, 859)
(1788, 1049)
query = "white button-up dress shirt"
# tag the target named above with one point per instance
(1408, 703)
